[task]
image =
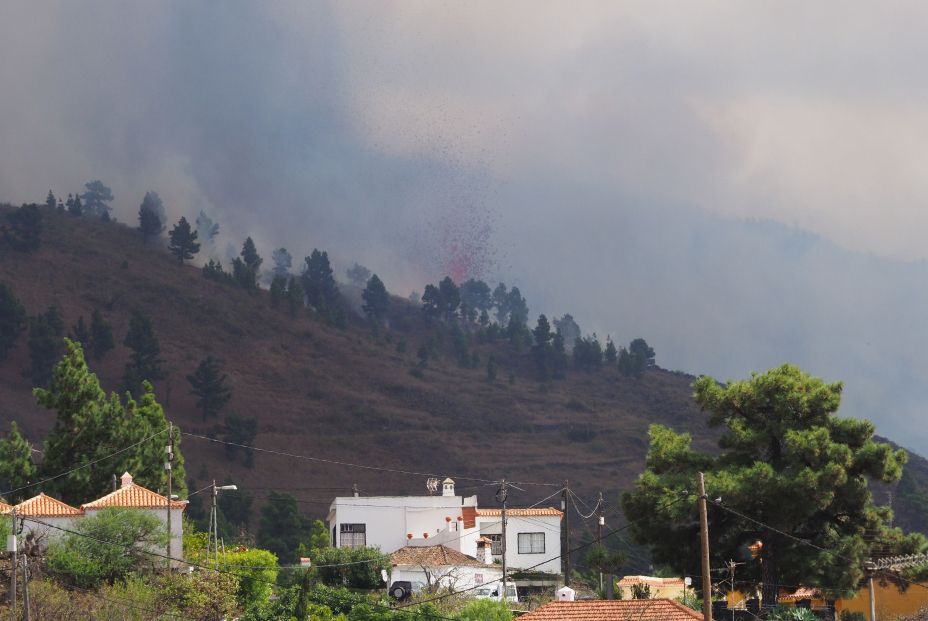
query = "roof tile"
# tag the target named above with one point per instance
(613, 610)
(133, 496)
(433, 556)
(45, 506)
(516, 512)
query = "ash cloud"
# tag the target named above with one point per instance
(650, 168)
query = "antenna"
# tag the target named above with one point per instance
(432, 485)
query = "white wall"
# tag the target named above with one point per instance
(549, 525)
(455, 578)
(44, 534)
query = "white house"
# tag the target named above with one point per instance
(533, 536)
(48, 518)
(434, 567)
(133, 496)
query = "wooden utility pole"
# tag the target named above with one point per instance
(566, 507)
(26, 612)
(600, 522)
(870, 566)
(502, 496)
(11, 547)
(169, 450)
(704, 545)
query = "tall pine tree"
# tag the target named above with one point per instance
(183, 244)
(17, 470)
(45, 332)
(144, 361)
(208, 384)
(101, 335)
(12, 320)
(376, 299)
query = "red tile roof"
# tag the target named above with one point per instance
(661, 583)
(4, 507)
(515, 512)
(800, 594)
(135, 497)
(45, 506)
(432, 556)
(613, 610)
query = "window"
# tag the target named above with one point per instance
(496, 545)
(478, 578)
(353, 535)
(531, 543)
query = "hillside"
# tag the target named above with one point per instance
(345, 394)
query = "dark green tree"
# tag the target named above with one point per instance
(17, 469)
(183, 244)
(358, 275)
(431, 302)
(319, 285)
(542, 350)
(77, 207)
(786, 461)
(588, 354)
(12, 320)
(501, 303)
(145, 360)
(476, 295)
(638, 358)
(294, 295)
(283, 261)
(376, 299)
(244, 276)
(101, 335)
(45, 345)
(282, 527)
(611, 354)
(80, 333)
(151, 216)
(518, 308)
(278, 290)
(250, 255)
(241, 432)
(208, 384)
(559, 357)
(97, 198)
(50, 201)
(91, 426)
(24, 229)
(450, 297)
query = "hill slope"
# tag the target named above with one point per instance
(346, 395)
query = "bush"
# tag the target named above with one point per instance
(357, 575)
(789, 613)
(202, 594)
(256, 571)
(485, 610)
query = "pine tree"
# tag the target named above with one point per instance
(241, 432)
(144, 361)
(611, 353)
(208, 384)
(24, 232)
(12, 320)
(376, 299)
(101, 335)
(151, 216)
(294, 295)
(319, 285)
(250, 255)
(501, 302)
(283, 261)
(45, 332)
(282, 527)
(450, 297)
(97, 198)
(17, 470)
(60, 208)
(244, 276)
(81, 334)
(90, 425)
(183, 244)
(50, 201)
(278, 290)
(542, 350)
(77, 208)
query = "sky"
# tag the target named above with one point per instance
(742, 184)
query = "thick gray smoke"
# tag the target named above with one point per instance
(650, 168)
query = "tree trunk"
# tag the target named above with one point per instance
(769, 570)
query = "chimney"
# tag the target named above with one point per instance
(447, 487)
(484, 551)
(355, 491)
(126, 479)
(565, 594)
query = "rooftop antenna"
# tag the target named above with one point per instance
(432, 485)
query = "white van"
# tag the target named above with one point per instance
(491, 591)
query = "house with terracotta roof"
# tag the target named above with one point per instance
(533, 535)
(669, 588)
(47, 518)
(438, 566)
(613, 610)
(133, 496)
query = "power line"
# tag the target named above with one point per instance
(353, 465)
(87, 465)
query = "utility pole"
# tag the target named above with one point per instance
(26, 612)
(566, 508)
(600, 522)
(11, 547)
(731, 568)
(169, 449)
(870, 566)
(501, 496)
(704, 541)
(214, 523)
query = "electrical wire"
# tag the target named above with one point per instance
(353, 465)
(82, 466)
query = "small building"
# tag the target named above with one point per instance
(46, 518)
(667, 588)
(613, 610)
(434, 567)
(133, 496)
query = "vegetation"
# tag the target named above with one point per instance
(12, 320)
(208, 385)
(282, 527)
(23, 230)
(145, 364)
(183, 244)
(786, 460)
(151, 216)
(45, 332)
(357, 568)
(97, 198)
(17, 468)
(376, 299)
